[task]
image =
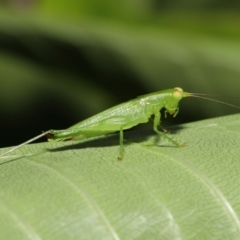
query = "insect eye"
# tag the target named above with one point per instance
(178, 89)
(178, 93)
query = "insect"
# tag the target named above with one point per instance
(122, 117)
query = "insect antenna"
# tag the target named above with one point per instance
(199, 95)
(25, 143)
(212, 95)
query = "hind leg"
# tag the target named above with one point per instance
(121, 149)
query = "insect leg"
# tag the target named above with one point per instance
(174, 114)
(157, 117)
(121, 144)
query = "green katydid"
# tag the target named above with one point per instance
(122, 117)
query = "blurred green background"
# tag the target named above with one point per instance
(63, 61)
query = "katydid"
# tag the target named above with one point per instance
(122, 117)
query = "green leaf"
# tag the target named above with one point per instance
(80, 191)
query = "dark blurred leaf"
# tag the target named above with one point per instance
(55, 73)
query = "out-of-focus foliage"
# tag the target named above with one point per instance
(62, 61)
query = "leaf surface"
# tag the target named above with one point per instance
(80, 190)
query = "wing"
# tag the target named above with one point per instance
(123, 116)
